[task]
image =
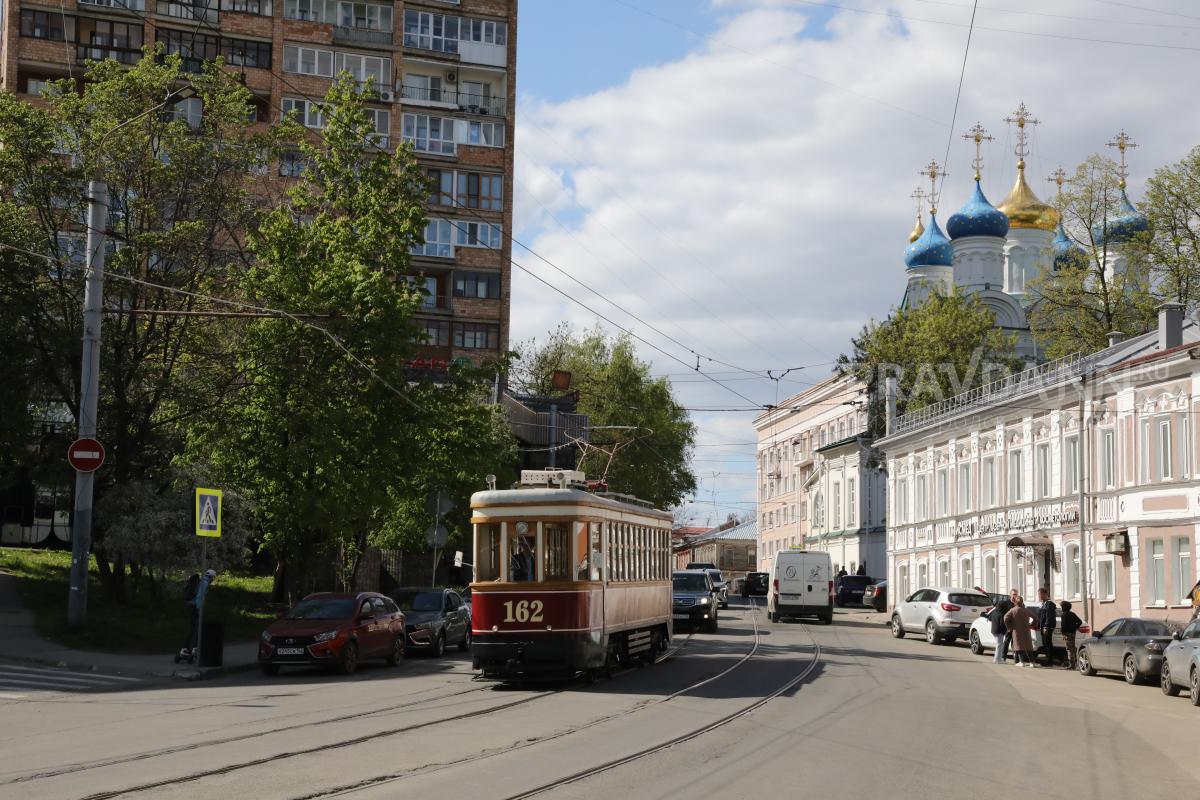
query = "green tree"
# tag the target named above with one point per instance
(946, 345)
(616, 390)
(1077, 305)
(1171, 247)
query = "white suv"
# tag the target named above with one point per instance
(942, 614)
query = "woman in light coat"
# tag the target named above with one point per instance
(1020, 621)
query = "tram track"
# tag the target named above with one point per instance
(375, 782)
(225, 769)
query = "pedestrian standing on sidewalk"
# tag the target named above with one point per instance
(1020, 622)
(193, 617)
(1070, 626)
(999, 630)
(1047, 622)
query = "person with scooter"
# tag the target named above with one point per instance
(194, 593)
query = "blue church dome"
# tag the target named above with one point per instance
(1066, 252)
(977, 217)
(931, 249)
(1129, 223)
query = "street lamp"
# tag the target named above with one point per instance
(89, 379)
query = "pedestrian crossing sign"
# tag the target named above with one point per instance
(208, 513)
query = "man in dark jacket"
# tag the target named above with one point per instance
(1070, 627)
(1047, 622)
(996, 618)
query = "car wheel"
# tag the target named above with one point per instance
(269, 669)
(897, 627)
(349, 661)
(1194, 687)
(1165, 683)
(976, 645)
(397, 654)
(465, 644)
(931, 634)
(1085, 663)
(1132, 677)
(439, 645)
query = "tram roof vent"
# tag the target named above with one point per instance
(554, 478)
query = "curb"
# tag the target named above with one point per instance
(84, 667)
(208, 673)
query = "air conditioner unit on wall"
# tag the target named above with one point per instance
(451, 77)
(1115, 543)
(387, 96)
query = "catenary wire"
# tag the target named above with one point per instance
(957, 97)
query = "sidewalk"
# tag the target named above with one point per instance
(20, 641)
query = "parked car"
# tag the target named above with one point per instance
(848, 590)
(1181, 664)
(335, 630)
(982, 640)
(801, 585)
(875, 596)
(693, 598)
(700, 565)
(1133, 647)
(943, 614)
(756, 583)
(720, 586)
(434, 619)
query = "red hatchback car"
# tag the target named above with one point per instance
(336, 630)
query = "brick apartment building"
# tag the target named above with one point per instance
(443, 78)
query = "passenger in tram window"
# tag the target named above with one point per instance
(522, 564)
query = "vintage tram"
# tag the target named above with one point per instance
(567, 580)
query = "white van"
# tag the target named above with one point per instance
(801, 586)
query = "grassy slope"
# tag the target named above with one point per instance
(143, 625)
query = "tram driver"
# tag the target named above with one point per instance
(521, 564)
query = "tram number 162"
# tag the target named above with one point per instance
(523, 611)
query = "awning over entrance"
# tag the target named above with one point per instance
(1031, 540)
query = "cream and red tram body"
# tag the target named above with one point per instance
(567, 580)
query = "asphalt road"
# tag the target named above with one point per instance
(760, 709)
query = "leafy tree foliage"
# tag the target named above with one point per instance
(942, 347)
(1172, 246)
(616, 389)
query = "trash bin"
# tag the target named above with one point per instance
(212, 644)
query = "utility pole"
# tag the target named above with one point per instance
(89, 390)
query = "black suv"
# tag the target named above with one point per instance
(434, 618)
(849, 589)
(756, 583)
(693, 598)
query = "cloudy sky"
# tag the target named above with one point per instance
(733, 177)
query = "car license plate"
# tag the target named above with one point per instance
(289, 651)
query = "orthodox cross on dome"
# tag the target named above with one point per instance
(979, 135)
(933, 171)
(919, 196)
(1022, 117)
(1122, 142)
(1058, 178)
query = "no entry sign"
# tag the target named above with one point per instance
(85, 455)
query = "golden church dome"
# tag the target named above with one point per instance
(916, 231)
(1024, 209)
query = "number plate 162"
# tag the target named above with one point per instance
(523, 611)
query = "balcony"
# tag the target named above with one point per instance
(117, 5)
(449, 98)
(493, 55)
(196, 12)
(347, 34)
(99, 52)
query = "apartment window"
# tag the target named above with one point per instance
(922, 574)
(1156, 594)
(476, 94)
(365, 15)
(1185, 446)
(1181, 560)
(1106, 579)
(443, 187)
(1042, 471)
(194, 48)
(437, 332)
(479, 285)
(964, 488)
(189, 110)
(803, 509)
(901, 501)
(128, 5)
(246, 53)
(381, 122)
(292, 164)
(99, 39)
(837, 506)
(428, 134)
(310, 10)
(47, 25)
(439, 240)
(37, 86)
(306, 111)
(478, 234)
(818, 511)
(851, 505)
(902, 580)
(484, 31)
(966, 572)
(991, 578)
(428, 287)
(307, 61)
(1071, 464)
(1073, 588)
(987, 484)
(942, 498)
(944, 572)
(428, 31)
(426, 87)
(260, 7)
(922, 507)
(1144, 452)
(376, 69)
(1164, 449)
(486, 134)
(476, 190)
(1016, 477)
(1108, 459)
(476, 336)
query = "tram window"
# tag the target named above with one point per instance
(556, 556)
(522, 544)
(487, 552)
(596, 559)
(641, 536)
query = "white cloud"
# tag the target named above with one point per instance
(752, 198)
